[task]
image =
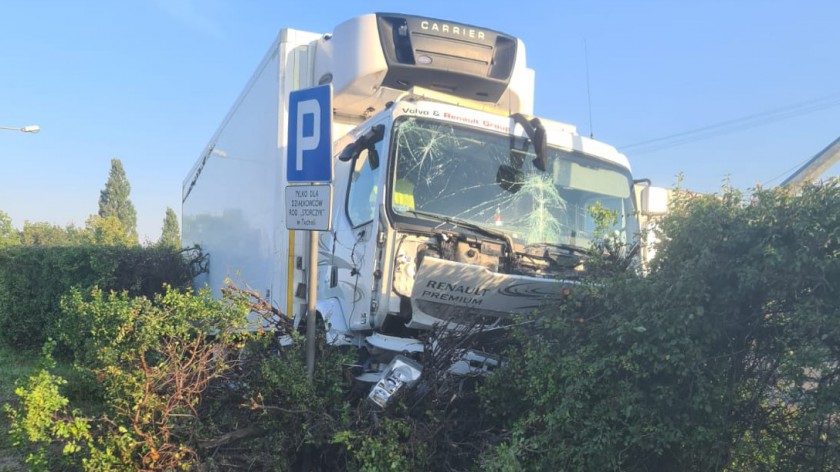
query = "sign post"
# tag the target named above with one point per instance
(309, 172)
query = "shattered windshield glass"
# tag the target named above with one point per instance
(489, 180)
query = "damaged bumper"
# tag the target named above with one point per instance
(446, 291)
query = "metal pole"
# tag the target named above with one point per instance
(815, 167)
(26, 129)
(312, 296)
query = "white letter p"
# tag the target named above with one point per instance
(307, 143)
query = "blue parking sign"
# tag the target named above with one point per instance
(309, 156)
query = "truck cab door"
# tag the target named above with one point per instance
(353, 256)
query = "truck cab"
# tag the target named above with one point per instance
(448, 215)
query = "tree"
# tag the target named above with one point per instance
(171, 234)
(114, 201)
(108, 231)
(8, 235)
(45, 234)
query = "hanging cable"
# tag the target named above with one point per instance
(733, 125)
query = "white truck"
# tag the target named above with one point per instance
(452, 204)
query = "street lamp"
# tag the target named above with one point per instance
(26, 129)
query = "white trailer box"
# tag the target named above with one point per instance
(233, 203)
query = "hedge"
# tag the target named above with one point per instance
(34, 278)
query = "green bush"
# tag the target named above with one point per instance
(44, 416)
(284, 420)
(267, 416)
(173, 396)
(152, 359)
(725, 357)
(34, 278)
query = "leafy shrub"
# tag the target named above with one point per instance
(153, 360)
(44, 415)
(34, 278)
(270, 417)
(267, 416)
(725, 357)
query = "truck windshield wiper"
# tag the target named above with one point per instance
(566, 249)
(493, 233)
(560, 254)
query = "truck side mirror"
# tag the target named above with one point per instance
(654, 201)
(348, 152)
(367, 140)
(536, 133)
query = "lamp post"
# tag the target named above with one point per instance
(26, 129)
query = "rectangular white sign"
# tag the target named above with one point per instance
(309, 207)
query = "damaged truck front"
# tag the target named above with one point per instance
(455, 219)
(452, 206)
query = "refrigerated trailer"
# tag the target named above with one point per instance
(452, 204)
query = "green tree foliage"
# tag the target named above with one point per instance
(114, 201)
(8, 235)
(46, 234)
(107, 231)
(723, 358)
(171, 234)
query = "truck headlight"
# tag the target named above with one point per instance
(401, 374)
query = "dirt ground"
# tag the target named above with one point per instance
(11, 464)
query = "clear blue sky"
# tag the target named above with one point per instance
(148, 82)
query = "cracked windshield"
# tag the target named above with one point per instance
(460, 173)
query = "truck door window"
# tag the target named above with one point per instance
(363, 190)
